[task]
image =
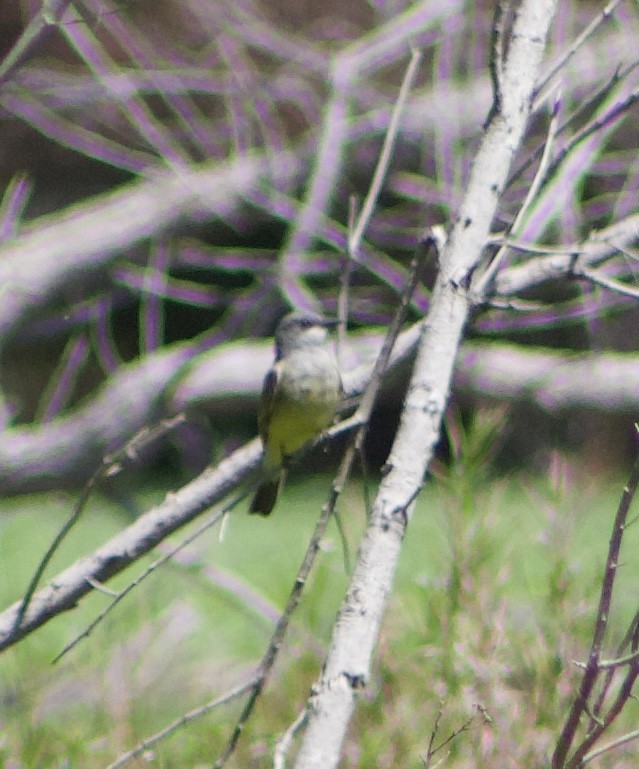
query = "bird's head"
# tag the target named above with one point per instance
(299, 330)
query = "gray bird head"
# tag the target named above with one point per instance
(301, 330)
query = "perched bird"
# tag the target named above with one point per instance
(300, 395)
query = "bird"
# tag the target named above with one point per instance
(300, 396)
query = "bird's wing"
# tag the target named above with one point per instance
(266, 403)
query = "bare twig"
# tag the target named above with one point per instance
(183, 720)
(37, 29)
(110, 465)
(602, 280)
(344, 286)
(629, 641)
(605, 15)
(14, 200)
(615, 112)
(598, 247)
(381, 169)
(431, 742)
(119, 596)
(535, 248)
(285, 742)
(599, 726)
(486, 278)
(619, 662)
(541, 169)
(612, 745)
(584, 109)
(465, 727)
(361, 420)
(591, 673)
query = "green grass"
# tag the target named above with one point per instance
(495, 596)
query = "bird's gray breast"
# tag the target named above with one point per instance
(310, 376)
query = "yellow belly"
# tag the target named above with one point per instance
(304, 404)
(292, 425)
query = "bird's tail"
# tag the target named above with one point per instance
(266, 494)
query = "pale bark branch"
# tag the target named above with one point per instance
(68, 448)
(32, 37)
(601, 245)
(87, 237)
(179, 508)
(347, 665)
(551, 379)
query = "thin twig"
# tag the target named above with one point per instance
(600, 726)
(534, 248)
(117, 597)
(386, 154)
(284, 743)
(591, 672)
(361, 419)
(14, 201)
(599, 246)
(454, 734)
(346, 556)
(431, 742)
(623, 740)
(614, 113)
(111, 464)
(515, 305)
(466, 726)
(183, 720)
(585, 107)
(57, 541)
(100, 588)
(594, 276)
(618, 662)
(542, 168)
(485, 280)
(629, 641)
(344, 286)
(594, 25)
(32, 36)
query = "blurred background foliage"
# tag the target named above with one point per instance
(113, 92)
(495, 596)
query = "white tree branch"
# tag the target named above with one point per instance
(221, 381)
(347, 664)
(600, 246)
(52, 251)
(180, 507)
(552, 379)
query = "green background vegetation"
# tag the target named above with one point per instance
(495, 597)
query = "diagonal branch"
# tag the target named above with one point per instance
(89, 236)
(360, 420)
(591, 673)
(178, 509)
(33, 36)
(355, 633)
